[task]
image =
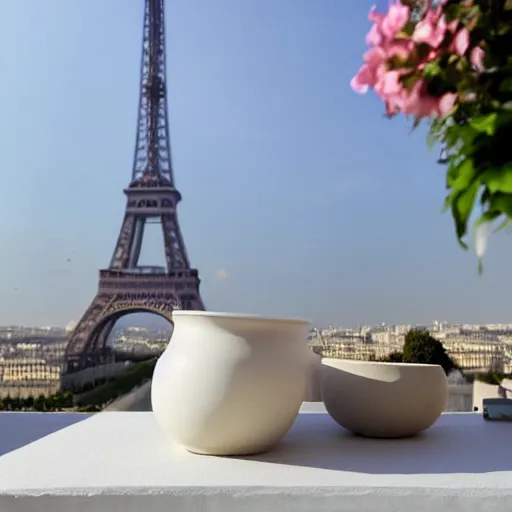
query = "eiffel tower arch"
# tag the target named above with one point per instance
(125, 286)
(115, 306)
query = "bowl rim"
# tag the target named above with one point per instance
(380, 363)
(238, 316)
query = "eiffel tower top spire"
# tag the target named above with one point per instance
(152, 165)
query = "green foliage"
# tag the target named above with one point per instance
(57, 402)
(493, 377)
(93, 397)
(89, 408)
(6, 403)
(477, 137)
(123, 383)
(393, 357)
(422, 348)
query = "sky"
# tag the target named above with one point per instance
(299, 198)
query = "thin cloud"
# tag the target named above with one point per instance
(221, 274)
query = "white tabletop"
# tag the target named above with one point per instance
(20, 428)
(121, 461)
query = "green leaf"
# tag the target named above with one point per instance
(462, 206)
(453, 73)
(431, 69)
(506, 85)
(486, 195)
(498, 180)
(431, 140)
(501, 203)
(463, 175)
(409, 80)
(485, 124)
(397, 62)
(487, 217)
(447, 203)
(503, 30)
(503, 225)
(409, 29)
(423, 50)
(457, 133)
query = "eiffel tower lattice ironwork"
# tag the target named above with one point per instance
(125, 286)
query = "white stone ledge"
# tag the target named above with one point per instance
(121, 462)
(20, 428)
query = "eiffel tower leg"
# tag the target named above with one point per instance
(106, 351)
(84, 334)
(104, 333)
(138, 236)
(98, 350)
(121, 256)
(192, 302)
(175, 252)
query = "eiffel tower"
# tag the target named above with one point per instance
(125, 287)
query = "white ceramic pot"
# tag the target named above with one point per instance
(230, 384)
(387, 400)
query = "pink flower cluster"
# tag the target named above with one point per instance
(387, 40)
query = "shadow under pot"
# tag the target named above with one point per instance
(383, 400)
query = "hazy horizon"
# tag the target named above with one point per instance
(154, 321)
(299, 198)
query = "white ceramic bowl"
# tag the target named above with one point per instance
(386, 400)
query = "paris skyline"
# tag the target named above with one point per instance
(273, 154)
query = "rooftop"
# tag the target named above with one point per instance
(121, 461)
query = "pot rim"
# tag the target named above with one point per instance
(238, 316)
(380, 363)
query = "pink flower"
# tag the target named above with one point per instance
(393, 106)
(386, 26)
(374, 37)
(399, 48)
(446, 104)
(359, 83)
(477, 58)
(374, 16)
(395, 20)
(418, 102)
(357, 86)
(432, 55)
(375, 57)
(452, 26)
(460, 42)
(386, 42)
(388, 84)
(368, 74)
(430, 30)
